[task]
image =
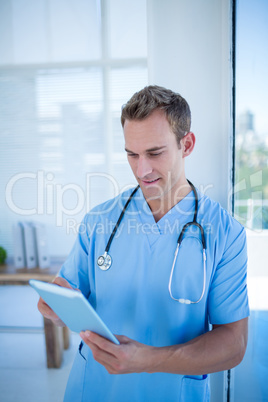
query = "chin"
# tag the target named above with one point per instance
(151, 194)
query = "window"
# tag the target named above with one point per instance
(66, 68)
(251, 188)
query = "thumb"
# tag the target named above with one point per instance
(62, 282)
(123, 339)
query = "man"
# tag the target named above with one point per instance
(161, 307)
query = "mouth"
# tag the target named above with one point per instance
(148, 183)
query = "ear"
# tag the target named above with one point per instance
(187, 144)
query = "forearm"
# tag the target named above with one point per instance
(217, 350)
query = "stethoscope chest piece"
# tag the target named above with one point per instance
(104, 261)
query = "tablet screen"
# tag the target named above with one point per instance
(72, 308)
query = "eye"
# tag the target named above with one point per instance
(131, 155)
(155, 154)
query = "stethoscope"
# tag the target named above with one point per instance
(105, 261)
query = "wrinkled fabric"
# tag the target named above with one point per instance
(132, 297)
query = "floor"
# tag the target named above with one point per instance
(23, 373)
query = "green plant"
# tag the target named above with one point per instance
(3, 255)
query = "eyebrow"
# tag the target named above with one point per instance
(148, 150)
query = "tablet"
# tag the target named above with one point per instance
(73, 309)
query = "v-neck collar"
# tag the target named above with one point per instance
(180, 213)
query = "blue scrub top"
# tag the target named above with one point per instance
(132, 297)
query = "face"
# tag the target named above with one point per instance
(154, 157)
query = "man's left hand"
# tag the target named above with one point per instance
(128, 357)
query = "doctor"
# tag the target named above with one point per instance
(178, 316)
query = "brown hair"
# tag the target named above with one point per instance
(143, 103)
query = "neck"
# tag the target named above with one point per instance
(161, 205)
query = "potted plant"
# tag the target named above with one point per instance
(3, 255)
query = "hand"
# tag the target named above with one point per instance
(128, 357)
(44, 308)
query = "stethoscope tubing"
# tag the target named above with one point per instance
(181, 300)
(120, 219)
(105, 261)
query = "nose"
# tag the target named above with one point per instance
(144, 167)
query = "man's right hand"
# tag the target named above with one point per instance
(44, 308)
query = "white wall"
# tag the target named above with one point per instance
(189, 52)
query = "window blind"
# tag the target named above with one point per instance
(56, 120)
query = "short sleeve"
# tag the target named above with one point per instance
(228, 298)
(75, 268)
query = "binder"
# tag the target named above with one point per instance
(30, 245)
(18, 245)
(43, 259)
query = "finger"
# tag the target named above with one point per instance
(47, 312)
(62, 282)
(113, 364)
(105, 358)
(123, 339)
(99, 341)
(43, 307)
